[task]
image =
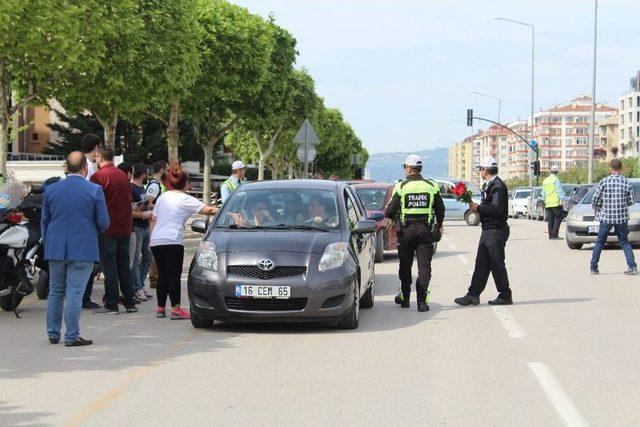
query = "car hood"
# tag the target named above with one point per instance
(273, 241)
(586, 209)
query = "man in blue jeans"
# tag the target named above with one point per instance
(611, 203)
(74, 213)
(142, 257)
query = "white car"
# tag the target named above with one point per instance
(518, 202)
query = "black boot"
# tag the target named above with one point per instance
(467, 300)
(423, 306)
(402, 301)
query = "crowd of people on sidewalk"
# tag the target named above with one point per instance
(104, 218)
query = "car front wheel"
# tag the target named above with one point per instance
(199, 322)
(351, 320)
(572, 245)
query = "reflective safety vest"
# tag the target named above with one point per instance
(229, 183)
(416, 198)
(551, 197)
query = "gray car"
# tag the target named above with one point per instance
(582, 227)
(298, 250)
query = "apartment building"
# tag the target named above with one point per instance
(562, 132)
(609, 146)
(33, 134)
(629, 119)
(519, 152)
(462, 161)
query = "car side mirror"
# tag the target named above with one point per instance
(365, 226)
(376, 216)
(199, 226)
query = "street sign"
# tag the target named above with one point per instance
(311, 154)
(306, 134)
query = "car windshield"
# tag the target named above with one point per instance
(280, 209)
(522, 194)
(372, 198)
(589, 197)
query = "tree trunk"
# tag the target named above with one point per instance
(264, 154)
(290, 172)
(109, 125)
(208, 155)
(5, 116)
(173, 137)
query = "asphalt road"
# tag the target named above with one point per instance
(566, 353)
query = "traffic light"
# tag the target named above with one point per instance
(469, 117)
(535, 167)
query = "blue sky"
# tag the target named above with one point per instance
(400, 69)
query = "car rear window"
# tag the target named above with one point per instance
(522, 194)
(372, 198)
(280, 208)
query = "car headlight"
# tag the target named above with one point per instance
(207, 256)
(334, 256)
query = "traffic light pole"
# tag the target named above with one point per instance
(471, 117)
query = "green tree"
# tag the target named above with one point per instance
(42, 47)
(174, 26)
(338, 144)
(236, 50)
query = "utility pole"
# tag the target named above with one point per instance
(592, 135)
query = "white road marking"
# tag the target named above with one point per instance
(509, 323)
(557, 396)
(462, 259)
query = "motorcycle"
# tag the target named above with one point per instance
(21, 245)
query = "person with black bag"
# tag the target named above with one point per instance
(417, 207)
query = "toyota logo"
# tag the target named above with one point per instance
(266, 265)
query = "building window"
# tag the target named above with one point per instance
(621, 133)
(35, 138)
(622, 104)
(638, 117)
(569, 119)
(630, 134)
(638, 101)
(621, 119)
(630, 102)
(630, 116)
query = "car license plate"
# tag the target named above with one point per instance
(593, 229)
(263, 291)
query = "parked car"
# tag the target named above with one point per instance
(576, 195)
(375, 197)
(518, 201)
(582, 227)
(540, 211)
(455, 210)
(535, 204)
(285, 251)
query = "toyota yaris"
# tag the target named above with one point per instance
(300, 250)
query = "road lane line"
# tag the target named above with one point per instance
(462, 259)
(116, 392)
(509, 323)
(556, 394)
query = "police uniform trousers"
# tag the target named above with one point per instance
(416, 239)
(490, 259)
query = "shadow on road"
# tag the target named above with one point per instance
(11, 416)
(531, 302)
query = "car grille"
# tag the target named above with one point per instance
(255, 272)
(256, 304)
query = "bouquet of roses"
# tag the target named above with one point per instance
(462, 193)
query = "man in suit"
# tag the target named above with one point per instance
(74, 213)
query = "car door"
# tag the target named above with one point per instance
(362, 244)
(453, 208)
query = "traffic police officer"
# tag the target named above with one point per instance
(415, 204)
(238, 170)
(494, 212)
(552, 193)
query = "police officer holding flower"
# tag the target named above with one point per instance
(418, 209)
(493, 212)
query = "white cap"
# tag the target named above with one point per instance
(489, 162)
(554, 168)
(413, 160)
(237, 165)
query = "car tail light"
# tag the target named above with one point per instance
(13, 217)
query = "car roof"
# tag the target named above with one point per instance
(308, 184)
(373, 185)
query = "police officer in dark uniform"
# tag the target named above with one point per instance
(418, 209)
(493, 212)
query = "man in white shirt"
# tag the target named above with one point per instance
(238, 170)
(90, 145)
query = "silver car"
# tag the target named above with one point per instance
(582, 227)
(518, 202)
(454, 209)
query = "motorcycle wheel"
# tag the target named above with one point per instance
(42, 287)
(10, 302)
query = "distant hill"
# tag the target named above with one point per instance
(387, 167)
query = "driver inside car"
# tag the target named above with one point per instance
(319, 213)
